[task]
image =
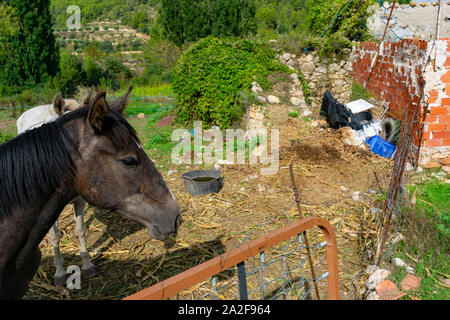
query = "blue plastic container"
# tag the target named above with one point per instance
(381, 147)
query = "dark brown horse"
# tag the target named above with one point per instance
(91, 152)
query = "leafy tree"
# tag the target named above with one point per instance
(93, 50)
(72, 74)
(35, 55)
(106, 46)
(351, 23)
(93, 72)
(8, 28)
(115, 72)
(189, 20)
(139, 18)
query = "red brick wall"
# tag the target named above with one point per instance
(396, 77)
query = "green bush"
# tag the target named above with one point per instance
(213, 74)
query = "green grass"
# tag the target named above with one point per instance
(5, 137)
(427, 245)
(148, 91)
(293, 114)
(159, 143)
(433, 200)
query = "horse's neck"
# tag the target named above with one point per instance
(43, 221)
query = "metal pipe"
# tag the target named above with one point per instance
(305, 236)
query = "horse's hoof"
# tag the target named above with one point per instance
(61, 281)
(88, 273)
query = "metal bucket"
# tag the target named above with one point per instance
(201, 182)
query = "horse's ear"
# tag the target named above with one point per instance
(120, 104)
(58, 103)
(97, 112)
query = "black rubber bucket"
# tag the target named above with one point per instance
(201, 182)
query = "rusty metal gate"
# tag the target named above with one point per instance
(237, 258)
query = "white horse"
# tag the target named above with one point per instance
(36, 117)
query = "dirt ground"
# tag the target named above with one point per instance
(328, 172)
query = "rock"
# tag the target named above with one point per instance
(298, 93)
(261, 188)
(321, 69)
(376, 278)
(308, 67)
(399, 262)
(261, 99)
(287, 56)
(351, 137)
(141, 116)
(307, 113)
(291, 63)
(397, 238)
(371, 269)
(373, 296)
(356, 196)
(387, 290)
(343, 189)
(222, 161)
(256, 87)
(309, 58)
(333, 68)
(410, 270)
(294, 76)
(410, 283)
(256, 113)
(170, 172)
(296, 101)
(273, 99)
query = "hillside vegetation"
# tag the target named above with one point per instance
(139, 41)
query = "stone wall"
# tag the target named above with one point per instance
(333, 74)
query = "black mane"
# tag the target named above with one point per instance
(35, 163)
(32, 166)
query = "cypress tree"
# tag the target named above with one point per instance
(36, 56)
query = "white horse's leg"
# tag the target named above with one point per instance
(87, 268)
(54, 236)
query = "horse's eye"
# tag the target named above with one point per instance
(129, 161)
